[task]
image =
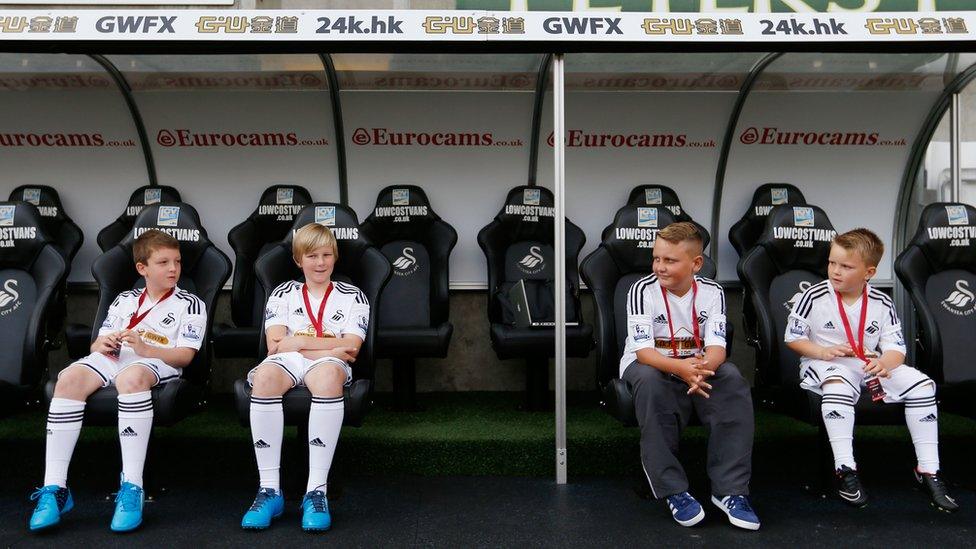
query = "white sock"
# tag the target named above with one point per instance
(135, 424)
(837, 409)
(63, 427)
(267, 428)
(324, 423)
(922, 418)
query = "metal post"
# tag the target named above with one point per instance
(559, 193)
(954, 161)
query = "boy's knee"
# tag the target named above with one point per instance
(134, 380)
(326, 380)
(76, 382)
(267, 380)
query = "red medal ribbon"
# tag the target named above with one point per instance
(859, 346)
(316, 321)
(136, 318)
(694, 318)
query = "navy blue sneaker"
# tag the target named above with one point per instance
(685, 509)
(52, 502)
(268, 504)
(315, 512)
(739, 511)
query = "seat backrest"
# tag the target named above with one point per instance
(140, 198)
(64, 233)
(658, 195)
(746, 232)
(518, 244)
(790, 255)
(938, 267)
(418, 244)
(205, 269)
(267, 225)
(30, 270)
(359, 263)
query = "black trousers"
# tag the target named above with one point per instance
(664, 408)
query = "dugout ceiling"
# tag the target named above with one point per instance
(711, 125)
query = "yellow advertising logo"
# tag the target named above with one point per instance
(152, 337)
(238, 24)
(907, 25)
(439, 24)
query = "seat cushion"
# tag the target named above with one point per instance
(512, 342)
(423, 342)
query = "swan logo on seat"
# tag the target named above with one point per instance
(531, 197)
(961, 301)
(9, 298)
(957, 215)
(168, 216)
(647, 217)
(285, 195)
(401, 197)
(533, 262)
(652, 196)
(803, 287)
(32, 196)
(406, 264)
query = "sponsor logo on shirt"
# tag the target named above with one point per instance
(797, 328)
(640, 333)
(191, 333)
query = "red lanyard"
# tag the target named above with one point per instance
(316, 321)
(859, 346)
(694, 318)
(136, 318)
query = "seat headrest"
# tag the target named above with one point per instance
(630, 238)
(280, 204)
(178, 220)
(947, 236)
(147, 195)
(44, 198)
(658, 195)
(770, 195)
(400, 206)
(528, 213)
(340, 219)
(798, 238)
(21, 235)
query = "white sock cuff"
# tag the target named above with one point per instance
(65, 414)
(266, 404)
(135, 405)
(328, 403)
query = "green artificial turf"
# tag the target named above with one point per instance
(472, 434)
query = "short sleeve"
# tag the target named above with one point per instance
(716, 325)
(640, 315)
(116, 318)
(276, 311)
(892, 338)
(193, 328)
(357, 321)
(798, 323)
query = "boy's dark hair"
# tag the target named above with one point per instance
(150, 241)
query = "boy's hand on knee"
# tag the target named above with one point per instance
(876, 368)
(694, 374)
(835, 351)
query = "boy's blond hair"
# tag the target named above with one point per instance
(150, 241)
(864, 243)
(310, 237)
(683, 231)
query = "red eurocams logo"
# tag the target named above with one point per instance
(61, 140)
(184, 137)
(387, 137)
(584, 139)
(769, 135)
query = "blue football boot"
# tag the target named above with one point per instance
(268, 504)
(52, 502)
(128, 507)
(315, 512)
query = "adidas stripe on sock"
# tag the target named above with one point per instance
(922, 419)
(324, 424)
(837, 410)
(135, 424)
(267, 427)
(64, 419)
